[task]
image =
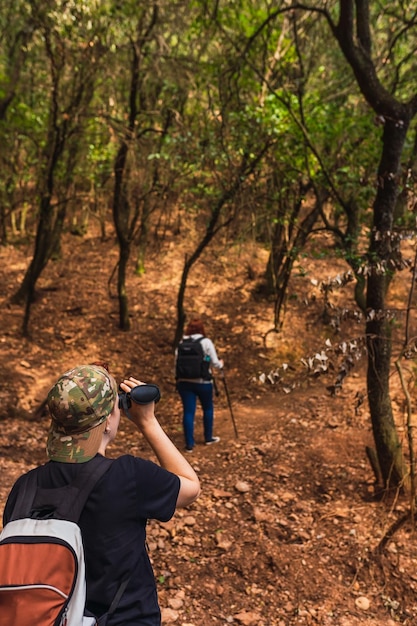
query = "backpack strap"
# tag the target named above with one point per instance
(193, 340)
(84, 484)
(208, 375)
(66, 502)
(119, 593)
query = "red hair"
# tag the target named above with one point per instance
(195, 327)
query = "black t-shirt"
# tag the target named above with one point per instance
(113, 527)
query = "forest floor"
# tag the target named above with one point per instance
(287, 530)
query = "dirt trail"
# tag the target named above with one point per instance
(284, 531)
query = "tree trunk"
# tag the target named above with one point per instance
(43, 243)
(124, 321)
(288, 240)
(246, 168)
(121, 212)
(354, 35)
(382, 251)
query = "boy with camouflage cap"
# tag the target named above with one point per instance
(79, 403)
(85, 416)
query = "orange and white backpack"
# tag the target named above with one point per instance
(42, 570)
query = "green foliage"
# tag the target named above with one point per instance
(229, 78)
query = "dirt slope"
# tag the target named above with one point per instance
(286, 527)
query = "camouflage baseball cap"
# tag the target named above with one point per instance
(79, 403)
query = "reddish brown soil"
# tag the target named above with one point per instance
(287, 527)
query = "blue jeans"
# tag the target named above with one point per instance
(189, 393)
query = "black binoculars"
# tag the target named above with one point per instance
(141, 394)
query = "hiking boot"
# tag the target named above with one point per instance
(212, 440)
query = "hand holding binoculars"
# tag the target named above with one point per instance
(141, 394)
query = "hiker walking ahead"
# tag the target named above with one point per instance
(195, 357)
(85, 413)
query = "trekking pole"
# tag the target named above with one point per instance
(230, 405)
